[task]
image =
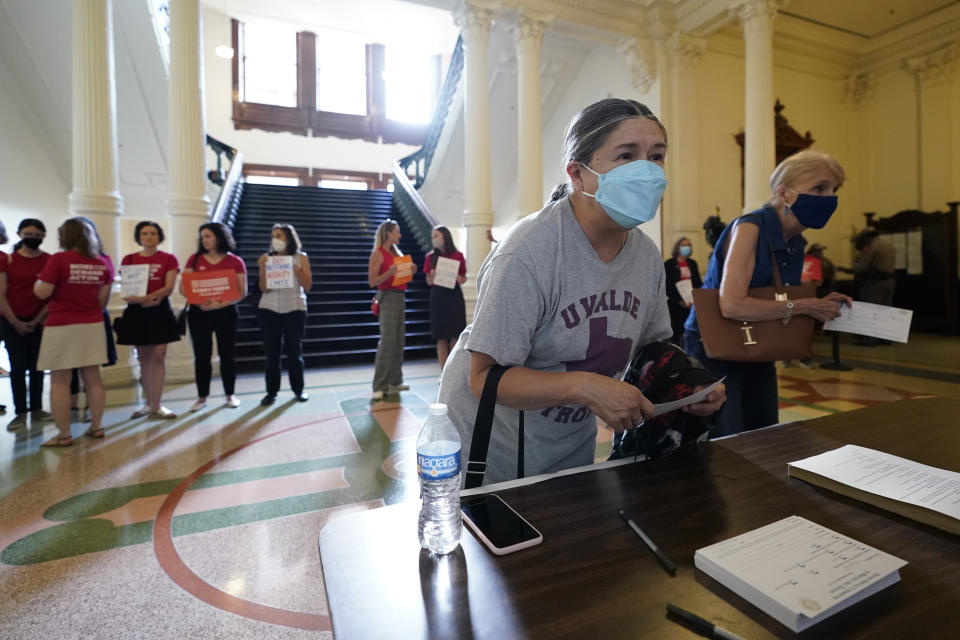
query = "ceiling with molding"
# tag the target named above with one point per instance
(865, 18)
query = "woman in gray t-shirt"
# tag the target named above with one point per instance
(567, 298)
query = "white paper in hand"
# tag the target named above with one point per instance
(875, 320)
(446, 273)
(280, 272)
(685, 289)
(133, 280)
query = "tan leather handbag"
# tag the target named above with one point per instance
(760, 341)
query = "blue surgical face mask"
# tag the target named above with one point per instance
(630, 193)
(686, 250)
(813, 212)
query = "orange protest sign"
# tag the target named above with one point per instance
(201, 286)
(404, 270)
(812, 272)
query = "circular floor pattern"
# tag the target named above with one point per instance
(178, 571)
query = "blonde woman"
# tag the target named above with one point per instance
(388, 368)
(804, 196)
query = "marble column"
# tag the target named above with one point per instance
(95, 152)
(474, 19)
(937, 85)
(860, 125)
(188, 204)
(683, 213)
(528, 33)
(760, 143)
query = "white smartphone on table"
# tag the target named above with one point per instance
(497, 525)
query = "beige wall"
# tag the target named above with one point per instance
(30, 186)
(899, 143)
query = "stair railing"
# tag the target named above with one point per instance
(417, 163)
(412, 208)
(405, 195)
(225, 186)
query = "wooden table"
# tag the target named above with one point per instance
(593, 578)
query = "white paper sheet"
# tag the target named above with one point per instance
(133, 280)
(685, 289)
(666, 407)
(899, 241)
(876, 320)
(446, 273)
(915, 252)
(798, 571)
(280, 272)
(889, 476)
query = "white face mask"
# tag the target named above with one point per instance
(278, 245)
(437, 243)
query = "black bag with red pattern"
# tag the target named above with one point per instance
(663, 372)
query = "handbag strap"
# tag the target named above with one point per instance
(482, 427)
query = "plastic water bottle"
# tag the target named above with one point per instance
(438, 465)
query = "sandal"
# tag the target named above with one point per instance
(163, 413)
(140, 412)
(94, 433)
(59, 441)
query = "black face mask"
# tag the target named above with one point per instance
(32, 243)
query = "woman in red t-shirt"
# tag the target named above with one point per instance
(388, 367)
(148, 322)
(77, 282)
(448, 314)
(215, 316)
(23, 316)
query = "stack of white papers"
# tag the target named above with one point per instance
(797, 571)
(914, 490)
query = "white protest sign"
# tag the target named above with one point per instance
(446, 273)
(133, 280)
(280, 272)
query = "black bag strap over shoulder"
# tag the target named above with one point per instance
(482, 427)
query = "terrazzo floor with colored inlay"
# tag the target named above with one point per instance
(206, 526)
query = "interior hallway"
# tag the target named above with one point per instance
(207, 525)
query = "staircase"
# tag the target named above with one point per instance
(336, 227)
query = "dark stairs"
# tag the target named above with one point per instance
(336, 227)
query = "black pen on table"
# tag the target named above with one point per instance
(661, 556)
(698, 624)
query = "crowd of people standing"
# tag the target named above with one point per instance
(53, 318)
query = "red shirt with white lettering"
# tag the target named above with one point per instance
(77, 280)
(22, 273)
(229, 261)
(160, 264)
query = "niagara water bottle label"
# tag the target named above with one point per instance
(438, 467)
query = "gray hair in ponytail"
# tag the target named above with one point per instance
(589, 130)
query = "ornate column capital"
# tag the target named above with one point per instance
(940, 64)
(685, 51)
(474, 19)
(641, 59)
(747, 10)
(529, 27)
(858, 89)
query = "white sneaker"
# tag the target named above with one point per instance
(199, 404)
(377, 395)
(233, 402)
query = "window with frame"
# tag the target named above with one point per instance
(332, 85)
